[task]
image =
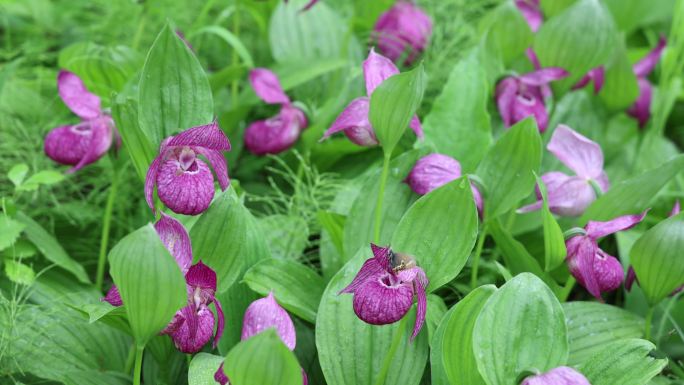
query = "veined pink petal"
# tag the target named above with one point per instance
(220, 325)
(354, 122)
(416, 127)
(597, 75)
(505, 95)
(543, 76)
(209, 136)
(641, 109)
(529, 102)
(265, 313)
(404, 28)
(151, 180)
(531, 12)
(675, 209)
(371, 269)
(581, 254)
(577, 152)
(420, 285)
(597, 230)
(100, 141)
(308, 6)
(383, 255)
(267, 86)
(176, 239)
(218, 163)
(644, 66)
(433, 171)
(561, 375)
(377, 68)
(383, 301)
(277, 134)
(186, 192)
(631, 277)
(68, 144)
(533, 58)
(608, 271)
(571, 198)
(113, 296)
(201, 276)
(220, 376)
(76, 96)
(196, 331)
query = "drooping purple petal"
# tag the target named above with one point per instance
(561, 375)
(265, 313)
(420, 285)
(577, 152)
(308, 6)
(433, 171)
(277, 134)
(101, 139)
(631, 277)
(218, 163)
(608, 271)
(354, 122)
(383, 255)
(195, 331)
(580, 259)
(76, 96)
(531, 12)
(571, 198)
(383, 301)
(597, 75)
(220, 324)
(532, 56)
(267, 86)
(641, 109)
(209, 136)
(220, 376)
(404, 28)
(377, 68)
(186, 192)
(416, 127)
(543, 76)
(597, 230)
(113, 296)
(644, 66)
(676, 208)
(68, 144)
(529, 102)
(505, 95)
(176, 239)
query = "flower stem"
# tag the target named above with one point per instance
(381, 196)
(476, 257)
(390, 353)
(130, 359)
(106, 223)
(565, 292)
(649, 320)
(138, 364)
(235, 58)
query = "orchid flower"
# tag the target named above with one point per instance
(435, 170)
(596, 75)
(84, 143)
(403, 28)
(518, 97)
(385, 286)
(571, 195)
(184, 182)
(561, 375)
(261, 315)
(531, 12)
(641, 109)
(593, 268)
(354, 120)
(192, 326)
(276, 134)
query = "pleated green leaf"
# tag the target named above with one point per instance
(554, 242)
(439, 230)
(554, 7)
(352, 352)
(521, 328)
(506, 32)
(202, 369)
(174, 90)
(151, 284)
(264, 360)
(394, 103)
(593, 325)
(620, 89)
(633, 195)
(625, 362)
(436, 309)
(297, 287)
(457, 354)
(508, 168)
(134, 140)
(223, 235)
(657, 259)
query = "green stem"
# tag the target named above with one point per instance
(130, 359)
(392, 350)
(140, 29)
(138, 364)
(476, 257)
(235, 57)
(106, 224)
(647, 325)
(381, 196)
(565, 292)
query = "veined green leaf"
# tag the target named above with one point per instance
(19, 273)
(624, 362)
(554, 242)
(620, 89)
(630, 14)
(506, 31)
(553, 7)
(436, 309)
(139, 147)
(10, 230)
(17, 173)
(232, 40)
(202, 369)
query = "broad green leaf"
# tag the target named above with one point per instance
(624, 362)
(579, 38)
(19, 273)
(593, 325)
(457, 345)
(458, 123)
(633, 195)
(138, 146)
(657, 259)
(521, 328)
(45, 177)
(286, 235)
(17, 174)
(620, 89)
(439, 230)
(10, 230)
(232, 40)
(174, 90)
(202, 368)
(20, 249)
(102, 311)
(438, 374)
(352, 352)
(554, 7)
(264, 360)
(50, 248)
(554, 242)
(151, 284)
(393, 104)
(333, 224)
(223, 235)
(508, 168)
(436, 308)
(630, 14)
(506, 31)
(297, 288)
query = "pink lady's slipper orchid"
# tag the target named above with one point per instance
(561, 375)
(192, 326)
(436, 170)
(641, 109)
(597, 271)
(596, 75)
(385, 286)
(404, 28)
(280, 132)
(571, 195)
(531, 12)
(261, 315)
(354, 120)
(84, 143)
(184, 182)
(518, 97)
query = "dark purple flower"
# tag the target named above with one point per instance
(518, 97)
(276, 134)
(531, 12)
(308, 5)
(435, 170)
(184, 182)
(561, 375)
(84, 143)
(597, 75)
(593, 268)
(354, 121)
(385, 286)
(641, 109)
(404, 28)
(571, 195)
